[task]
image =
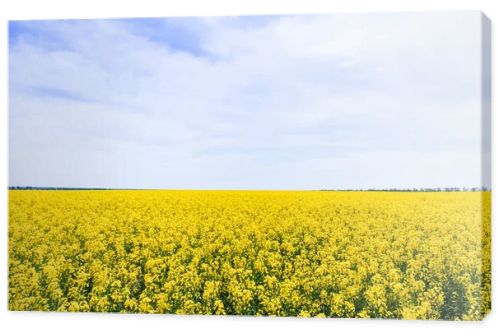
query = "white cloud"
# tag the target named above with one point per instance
(310, 102)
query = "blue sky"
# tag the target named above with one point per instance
(269, 102)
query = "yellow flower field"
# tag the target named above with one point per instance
(412, 255)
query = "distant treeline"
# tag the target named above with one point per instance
(55, 188)
(447, 189)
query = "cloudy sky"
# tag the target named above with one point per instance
(269, 102)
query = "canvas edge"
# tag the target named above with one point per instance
(486, 160)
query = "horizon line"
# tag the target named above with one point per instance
(413, 189)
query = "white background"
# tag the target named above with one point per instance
(83, 323)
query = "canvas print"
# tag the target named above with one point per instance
(329, 165)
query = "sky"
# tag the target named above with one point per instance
(342, 101)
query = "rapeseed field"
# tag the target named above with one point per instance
(410, 255)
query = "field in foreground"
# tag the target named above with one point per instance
(287, 253)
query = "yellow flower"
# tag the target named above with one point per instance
(285, 253)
